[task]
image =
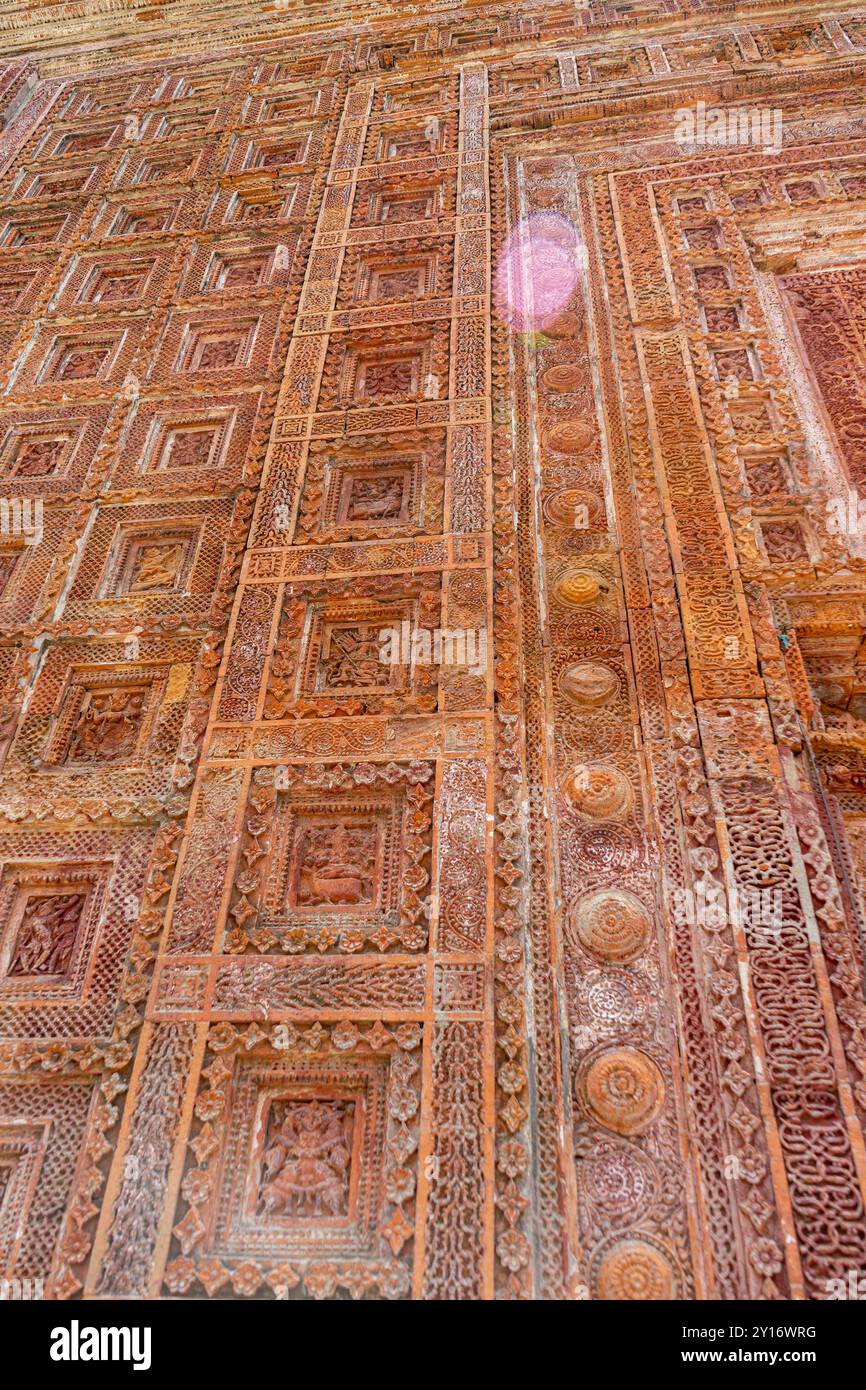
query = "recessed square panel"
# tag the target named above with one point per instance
(68, 904)
(158, 557)
(103, 722)
(217, 344)
(378, 368)
(49, 450)
(189, 442)
(87, 355)
(348, 861)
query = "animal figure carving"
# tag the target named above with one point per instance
(337, 867)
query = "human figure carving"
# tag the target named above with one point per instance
(158, 567)
(46, 936)
(108, 725)
(307, 1162)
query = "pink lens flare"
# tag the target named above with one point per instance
(537, 272)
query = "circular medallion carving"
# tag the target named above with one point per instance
(589, 684)
(615, 848)
(635, 1270)
(599, 792)
(602, 729)
(613, 1001)
(569, 436)
(589, 626)
(573, 508)
(619, 1180)
(568, 377)
(612, 926)
(578, 587)
(624, 1090)
(568, 325)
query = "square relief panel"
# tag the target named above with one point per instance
(184, 445)
(318, 1167)
(748, 196)
(768, 473)
(80, 358)
(292, 102)
(711, 279)
(393, 206)
(51, 450)
(347, 863)
(115, 280)
(704, 236)
(367, 486)
(106, 96)
(65, 180)
(26, 563)
(280, 148)
(690, 202)
(736, 364)
(42, 1128)
(188, 446)
(793, 42)
(416, 138)
(410, 270)
(143, 214)
(785, 541)
(43, 933)
(246, 265)
(141, 167)
(68, 904)
(619, 67)
(293, 67)
(724, 318)
(340, 649)
(753, 417)
(261, 200)
(216, 348)
(150, 560)
(208, 84)
(22, 280)
(104, 716)
(216, 344)
(366, 496)
(421, 94)
(78, 138)
(702, 53)
(343, 649)
(303, 1150)
(160, 558)
(53, 181)
(24, 230)
(382, 368)
(525, 79)
(192, 119)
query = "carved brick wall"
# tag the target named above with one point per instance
(335, 968)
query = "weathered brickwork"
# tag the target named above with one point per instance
(432, 669)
